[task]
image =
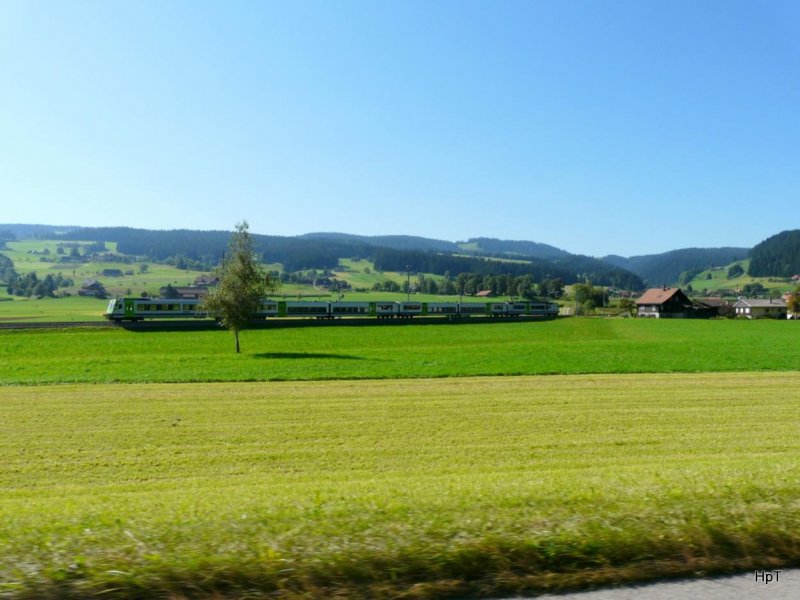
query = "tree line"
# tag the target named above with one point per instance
(7, 272)
(31, 285)
(469, 284)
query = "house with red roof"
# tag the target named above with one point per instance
(665, 303)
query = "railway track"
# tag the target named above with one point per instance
(53, 324)
(205, 324)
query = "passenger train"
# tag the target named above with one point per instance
(136, 309)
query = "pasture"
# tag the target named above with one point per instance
(389, 351)
(47, 310)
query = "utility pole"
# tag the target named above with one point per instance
(408, 283)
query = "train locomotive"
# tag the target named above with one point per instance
(137, 309)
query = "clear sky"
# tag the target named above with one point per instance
(600, 127)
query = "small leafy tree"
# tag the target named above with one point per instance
(736, 270)
(793, 303)
(243, 283)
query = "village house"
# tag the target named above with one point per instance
(665, 303)
(206, 281)
(714, 307)
(753, 308)
(92, 287)
(182, 292)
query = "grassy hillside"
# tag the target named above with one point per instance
(29, 256)
(41, 257)
(716, 281)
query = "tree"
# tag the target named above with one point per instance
(793, 304)
(243, 283)
(751, 290)
(736, 270)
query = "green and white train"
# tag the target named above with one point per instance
(137, 309)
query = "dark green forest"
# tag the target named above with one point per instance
(570, 269)
(777, 256)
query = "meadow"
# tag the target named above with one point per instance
(429, 488)
(48, 310)
(395, 461)
(389, 351)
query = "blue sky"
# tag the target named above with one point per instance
(607, 127)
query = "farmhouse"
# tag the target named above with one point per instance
(205, 281)
(92, 287)
(184, 293)
(665, 303)
(755, 308)
(713, 307)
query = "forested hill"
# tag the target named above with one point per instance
(206, 247)
(397, 242)
(677, 266)
(777, 256)
(570, 269)
(202, 249)
(492, 246)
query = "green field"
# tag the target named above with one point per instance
(28, 257)
(49, 310)
(425, 488)
(563, 346)
(588, 452)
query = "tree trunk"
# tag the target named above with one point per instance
(236, 338)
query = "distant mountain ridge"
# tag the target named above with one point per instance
(24, 230)
(202, 249)
(513, 248)
(396, 242)
(779, 255)
(671, 267)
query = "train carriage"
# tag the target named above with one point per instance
(516, 308)
(443, 308)
(352, 309)
(473, 308)
(269, 308)
(135, 309)
(411, 309)
(386, 310)
(310, 308)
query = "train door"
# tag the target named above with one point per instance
(130, 308)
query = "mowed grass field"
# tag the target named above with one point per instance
(410, 461)
(418, 488)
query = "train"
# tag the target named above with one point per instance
(137, 309)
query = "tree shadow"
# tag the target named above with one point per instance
(301, 355)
